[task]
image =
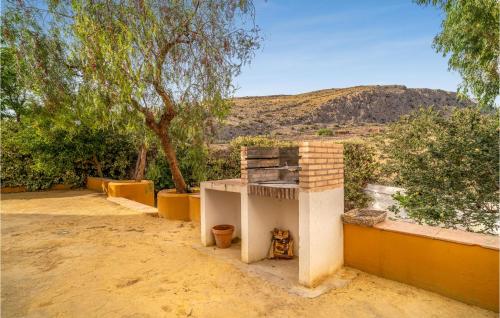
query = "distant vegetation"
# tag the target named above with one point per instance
(284, 115)
(326, 132)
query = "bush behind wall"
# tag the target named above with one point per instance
(449, 166)
(39, 158)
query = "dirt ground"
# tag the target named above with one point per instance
(75, 254)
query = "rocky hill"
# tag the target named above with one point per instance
(335, 109)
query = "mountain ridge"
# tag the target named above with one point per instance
(289, 115)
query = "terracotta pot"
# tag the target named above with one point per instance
(223, 235)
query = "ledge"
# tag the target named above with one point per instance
(437, 233)
(228, 185)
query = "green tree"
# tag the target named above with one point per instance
(172, 61)
(470, 36)
(41, 43)
(448, 166)
(12, 94)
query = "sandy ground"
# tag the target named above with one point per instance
(75, 254)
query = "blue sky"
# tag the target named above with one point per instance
(312, 45)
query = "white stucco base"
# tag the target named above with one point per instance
(314, 220)
(224, 208)
(263, 214)
(321, 235)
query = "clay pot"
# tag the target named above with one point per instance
(223, 235)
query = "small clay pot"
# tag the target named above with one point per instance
(223, 235)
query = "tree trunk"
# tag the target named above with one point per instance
(97, 165)
(140, 165)
(168, 149)
(161, 130)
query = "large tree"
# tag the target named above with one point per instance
(171, 61)
(51, 65)
(12, 94)
(470, 36)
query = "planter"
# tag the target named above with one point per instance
(177, 206)
(223, 235)
(194, 207)
(364, 217)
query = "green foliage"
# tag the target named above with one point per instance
(38, 156)
(173, 62)
(469, 36)
(192, 163)
(327, 132)
(12, 94)
(259, 141)
(39, 40)
(448, 166)
(360, 169)
(163, 67)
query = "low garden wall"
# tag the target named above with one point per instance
(139, 191)
(456, 264)
(24, 189)
(98, 184)
(13, 189)
(171, 205)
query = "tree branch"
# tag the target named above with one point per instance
(149, 116)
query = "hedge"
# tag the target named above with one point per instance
(449, 166)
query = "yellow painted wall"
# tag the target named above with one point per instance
(468, 273)
(24, 189)
(139, 191)
(61, 187)
(98, 184)
(194, 208)
(176, 206)
(13, 189)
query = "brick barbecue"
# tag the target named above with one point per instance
(300, 189)
(282, 172)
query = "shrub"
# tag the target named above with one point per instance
(448, 166)
(360, 168)
(38, 158)
(326, 132)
